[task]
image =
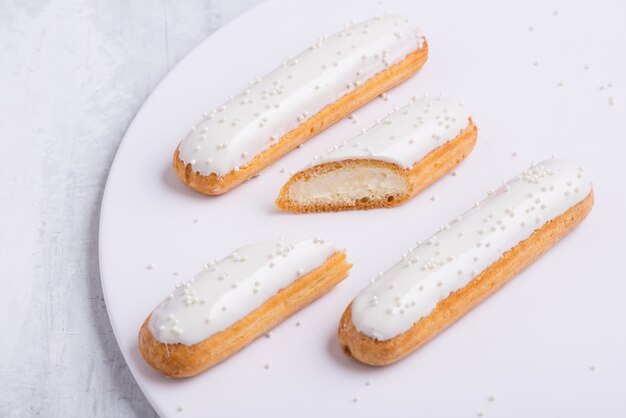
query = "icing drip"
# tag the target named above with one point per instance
(233, 134)
(461, 250)
(407, 135)
(228, 290)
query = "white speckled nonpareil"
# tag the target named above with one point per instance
(407, 135)
(228, 290)
(461, 250)
(233, 134)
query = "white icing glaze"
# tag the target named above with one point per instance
(228, 290)
(461, 250)
(233, 134)
(406, 136)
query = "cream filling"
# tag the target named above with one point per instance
(347, 185)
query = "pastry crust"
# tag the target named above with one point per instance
(214, 184)
(428, 170)
(378, 353)
(179, 360)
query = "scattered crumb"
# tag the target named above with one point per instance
(175, 273)
(560, 84)
(535, 63)
(592, 367)
(530, 28)
(282, 170)
(180, 408)
(269, 334)
(368, 382)
(480, 414)
(267, 366)
(355, 399)
(514, 154)
(150, 266)
(298, 323)
(196, 220)
(433, 197)
(455, 173)
(491, 398)
(611, 101)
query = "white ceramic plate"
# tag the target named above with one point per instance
(531, 345)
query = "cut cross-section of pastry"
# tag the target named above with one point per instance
(302, 97)
(213, 315)
(446, 276)
(387, 164)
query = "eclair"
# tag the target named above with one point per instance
(231, 302)
(386, 165)
(302, 97)
(444, 277)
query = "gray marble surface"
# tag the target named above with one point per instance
(73, 73)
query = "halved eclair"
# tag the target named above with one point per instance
(444, 277)
(213, 315)
(302, 97)
(386, 165)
